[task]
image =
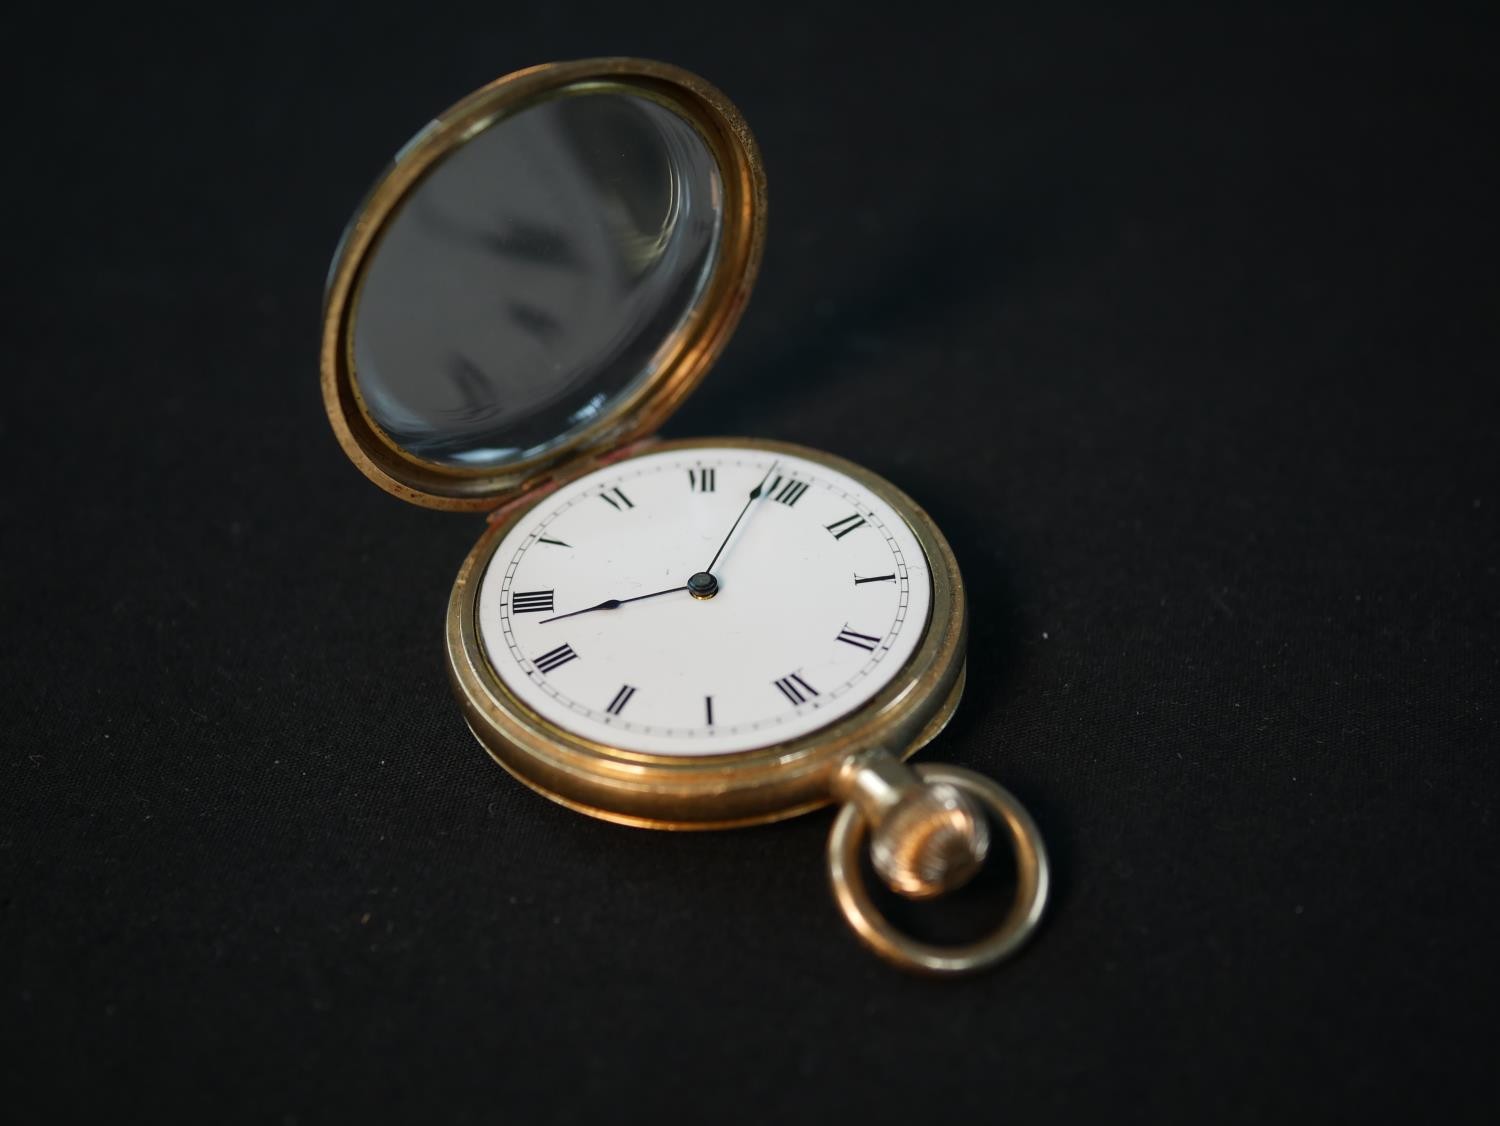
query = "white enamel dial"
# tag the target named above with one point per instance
(819, 596)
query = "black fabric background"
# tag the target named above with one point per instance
(1183, 324)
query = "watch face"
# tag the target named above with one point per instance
(704, 600)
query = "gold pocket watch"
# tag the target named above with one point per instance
(680, 635)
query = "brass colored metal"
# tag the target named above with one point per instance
(875, 931)
(928, 829)
(714, 791)
(925, 839)
(689, 354)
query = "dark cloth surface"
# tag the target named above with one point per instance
(1183, 325)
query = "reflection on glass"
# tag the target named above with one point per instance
(530, 279)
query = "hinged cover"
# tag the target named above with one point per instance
(543, 273)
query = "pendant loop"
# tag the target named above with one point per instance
(877, 932)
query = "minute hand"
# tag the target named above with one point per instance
(754, 496)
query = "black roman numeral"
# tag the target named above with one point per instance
(858, 640)
(622, 697)
(555, 659)
(531, 602)
(841, 528)
(701, 480)
(875, 579)
(793, 687)
(708, 706)
(612, 502)
(787, 490)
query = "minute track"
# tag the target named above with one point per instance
(714, 658)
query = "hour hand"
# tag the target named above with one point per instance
(611, 604)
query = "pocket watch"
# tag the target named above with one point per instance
(670, 634)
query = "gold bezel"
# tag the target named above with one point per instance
(713, 791)
(686, 356)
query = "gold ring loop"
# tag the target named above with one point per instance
(876, 931)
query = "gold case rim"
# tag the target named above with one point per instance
(725, 790)
(692, 349)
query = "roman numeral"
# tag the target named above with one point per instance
(874, 579)
(790, 490)
(532, 602)
(555, 659)
(841, 528)
(612, 502)
(793, 687)
(701, 480)
(555, 543)
(858, 640)
(622, 697)
(708, 706)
